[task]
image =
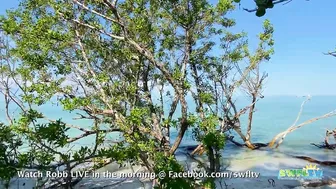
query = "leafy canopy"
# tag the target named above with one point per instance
(127, 68)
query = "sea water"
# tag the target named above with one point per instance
(273, 114)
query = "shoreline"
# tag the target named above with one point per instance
(262, 182)
(264, 163)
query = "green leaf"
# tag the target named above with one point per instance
(261, 12)
(270, 4)
(260, 2)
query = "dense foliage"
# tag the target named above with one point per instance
(129, 68)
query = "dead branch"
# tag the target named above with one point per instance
(96, 13)
(326, 143)
(329, 134)
(198, 150)
(293, 128)
(256, 145)
(230, 138)
(325, 146)
(312, 160)
(295, 122)
(319, 183)
(86, 60)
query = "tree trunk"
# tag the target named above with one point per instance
(247, 142)
(212, 161)
(250, 117)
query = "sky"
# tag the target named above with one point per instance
(303, 33)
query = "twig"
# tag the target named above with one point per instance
(96, 13)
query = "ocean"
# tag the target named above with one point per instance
(276, 113)
(273, 114)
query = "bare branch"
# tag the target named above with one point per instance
(301, 109)
(97, 29)
(243, 111)
(293, 128)
(296, 120)
(96, 13)
(87, 133)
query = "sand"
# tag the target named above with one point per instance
(262, 182)
(267, 165)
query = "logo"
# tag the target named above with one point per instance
(310, 172)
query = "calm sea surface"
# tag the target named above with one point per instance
(273, 115)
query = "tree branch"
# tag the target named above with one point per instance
(293, 128)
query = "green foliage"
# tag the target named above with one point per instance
(54, 133)
(262, 6)
(215, 140)
(80, 155)
(209, 183)
(265, 47)
(74, 103)
(261, 11)
(105, 64)
(10, 142)
(137, 115)
(207, 98)
(166, 164)
(207, 133)
(44, 158)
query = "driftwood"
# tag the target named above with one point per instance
(283, 134)
(326, 143)
(199, 149)
(319, 183)
(312, 160)
(196, 150)
(325, 146)
(257, 145)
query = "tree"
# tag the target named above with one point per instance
(262, 6)
(108, 62)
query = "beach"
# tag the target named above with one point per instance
(268, 165)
